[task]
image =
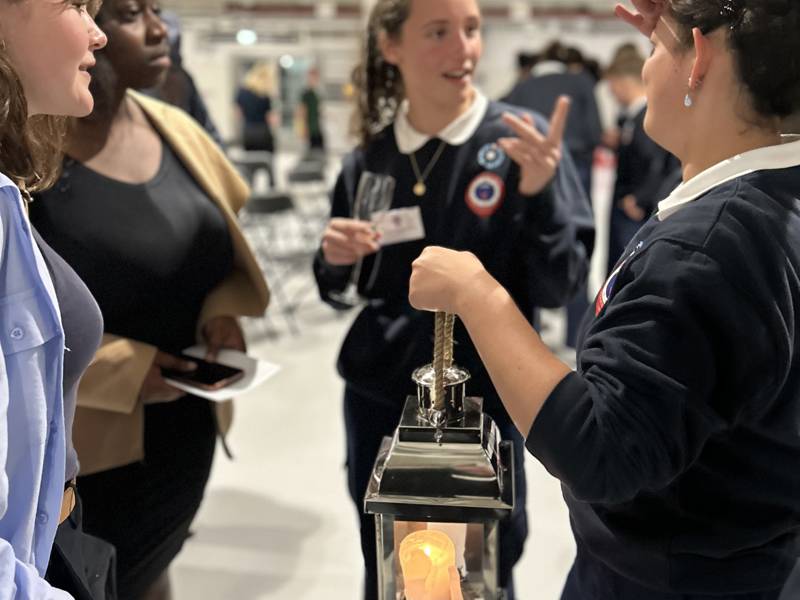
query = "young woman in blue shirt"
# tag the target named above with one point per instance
(46, 49)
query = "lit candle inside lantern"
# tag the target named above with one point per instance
(425, 558)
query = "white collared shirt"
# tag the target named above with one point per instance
(634, 108)
(456, 133)
(32, 423)
(781, 156)
(549, 67)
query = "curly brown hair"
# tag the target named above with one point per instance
(378, 84)
(31, 148)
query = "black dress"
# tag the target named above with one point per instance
(150, 254)
(256, 132)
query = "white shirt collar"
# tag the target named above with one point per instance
(782, 156)
(456, 133)
(632, 110)
(549, 67)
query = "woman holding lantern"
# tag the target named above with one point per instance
(442, 156)
(678, 437)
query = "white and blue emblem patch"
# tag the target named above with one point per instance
(485, 194)
(608, 287)
(491, 156)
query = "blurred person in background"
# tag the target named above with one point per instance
(610, 109)
(592, 68)
(463, 163)
(157, 242)
(254, 99)
(525, 62)
(642, 165)
(551, 79)
(574, 59)
(309, 113)
(178, 87)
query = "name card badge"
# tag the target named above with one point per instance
(399, 225)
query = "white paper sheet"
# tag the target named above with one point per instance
(256, 372)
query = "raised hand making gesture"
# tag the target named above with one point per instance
(439, 275)
(537, 155)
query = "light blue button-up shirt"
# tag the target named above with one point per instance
(32, 436)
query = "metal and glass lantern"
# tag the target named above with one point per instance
(440, 487)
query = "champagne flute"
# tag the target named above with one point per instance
(375, 193)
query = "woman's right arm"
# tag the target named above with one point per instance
(662, 369)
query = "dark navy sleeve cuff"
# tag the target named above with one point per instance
(542, 205)
(557, 422)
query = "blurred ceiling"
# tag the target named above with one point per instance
(513, 9)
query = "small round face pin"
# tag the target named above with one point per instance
(491, 156)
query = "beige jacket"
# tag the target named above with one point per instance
(109, 422)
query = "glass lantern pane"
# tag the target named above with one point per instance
(387, 579)
(469, 555)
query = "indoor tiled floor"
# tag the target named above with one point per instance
(277, 522)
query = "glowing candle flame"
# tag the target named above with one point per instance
(425, 558)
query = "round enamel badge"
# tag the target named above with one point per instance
(485, 194)
(491, 156)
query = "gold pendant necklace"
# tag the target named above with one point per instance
(420, 188)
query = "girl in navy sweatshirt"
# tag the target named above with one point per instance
(448, 152)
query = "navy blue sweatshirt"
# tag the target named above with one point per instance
(538, 247)
(678, 438)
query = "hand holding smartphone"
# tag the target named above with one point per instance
(206, 376)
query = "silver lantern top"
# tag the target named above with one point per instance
(446, 461)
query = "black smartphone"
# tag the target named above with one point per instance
(207, 375)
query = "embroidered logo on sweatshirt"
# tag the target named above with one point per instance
(608, 287)
(605, 292)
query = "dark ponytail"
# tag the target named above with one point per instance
(763, 35)
(378, 85)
